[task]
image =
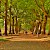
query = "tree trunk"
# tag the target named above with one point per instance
(0, 8)
(6, 1)
(10, 19)
(0, 33)
(13, 25)
(40, 29)
(33, 25)
(40, 25)
(49, 31)
(36, 27)
(0, 16)
(16, 26)
(20, 27)
(44, 24)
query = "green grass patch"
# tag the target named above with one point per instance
(2, 39)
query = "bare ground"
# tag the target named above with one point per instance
(29, 37)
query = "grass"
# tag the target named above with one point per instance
(2, 39)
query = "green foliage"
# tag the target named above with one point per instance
(23, 9)
(48, 25)
(1, 23)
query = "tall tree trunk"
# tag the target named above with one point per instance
(6, 1)
(40, 25)
(44, 24)
(0, 7)
(16, 26)
(13, 25)
(45, 15)
(36, 27)
(10, 16)
(40, 28)
(0, 16)
(45, 20)
(10, 21)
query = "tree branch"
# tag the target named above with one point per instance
(35, 13)
(41, 8)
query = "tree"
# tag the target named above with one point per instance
(6, 2)
(13, 25)
(16, 26)
(0, 16)
(10, 15)
(42, 8)
(23, 14)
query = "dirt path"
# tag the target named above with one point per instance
(27, 38)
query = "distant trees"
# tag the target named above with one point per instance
(41, 6)
(25, 12)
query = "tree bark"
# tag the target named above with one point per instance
(49, 31)
(0, 33)
(36, 27)
(10, 16)
(6, 1)
(40, 28)
(42, 8)
(0, 7)
(44, 24)
(0, 16)
(13, 25)
(16, 26)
